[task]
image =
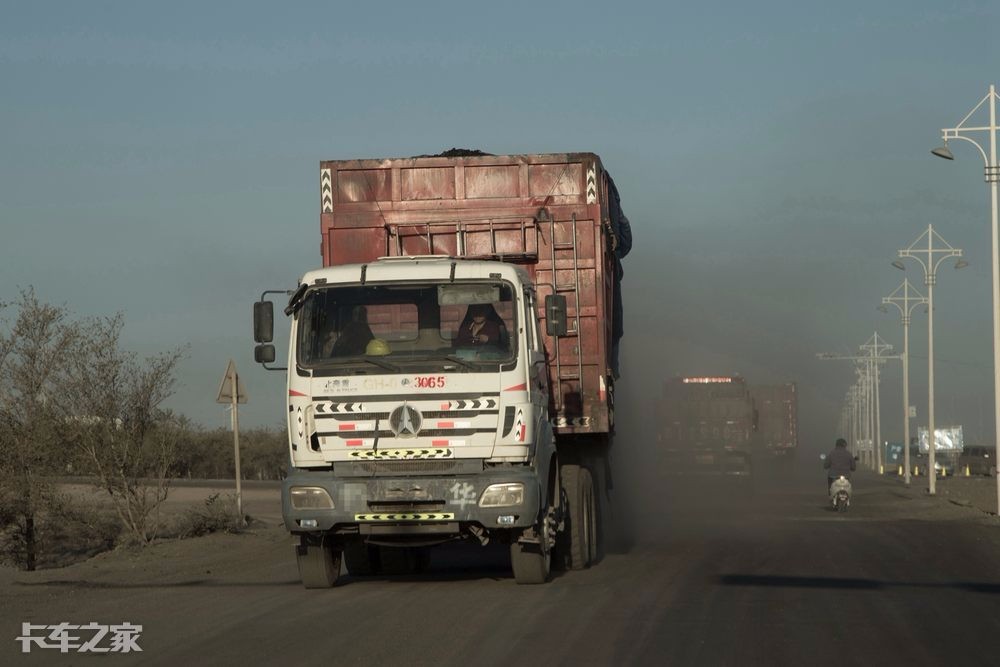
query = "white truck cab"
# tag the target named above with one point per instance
(418, 413)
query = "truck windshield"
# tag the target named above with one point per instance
(383, 328)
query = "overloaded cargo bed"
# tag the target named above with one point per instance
(558, 215)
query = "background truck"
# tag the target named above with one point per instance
(707, 426)
(777, 420)
(451, 369)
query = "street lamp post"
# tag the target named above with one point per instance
(864, 395)
(875, 347)
(930, 257)
(992, 174)
(905, 303)
(852, 397)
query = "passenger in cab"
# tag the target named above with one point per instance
(355, 335)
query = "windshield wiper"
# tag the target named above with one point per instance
(354, 361)
(381, 364)
(460, 361)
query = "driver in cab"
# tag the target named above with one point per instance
(481, 326)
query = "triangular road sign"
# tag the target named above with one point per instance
(229, 380)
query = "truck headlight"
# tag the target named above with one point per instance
(502, 495)
(310, 498)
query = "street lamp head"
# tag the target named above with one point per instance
(899, 265)
(961, 264)
(943, 152)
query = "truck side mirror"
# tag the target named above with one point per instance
(263, 323)
(555, 315)
(263, 354)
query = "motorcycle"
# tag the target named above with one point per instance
(840, 491)
(840, 494)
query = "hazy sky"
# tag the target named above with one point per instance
(162, 160)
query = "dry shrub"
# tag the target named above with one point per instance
(66, 532)
(217, 514)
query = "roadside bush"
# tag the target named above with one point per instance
(217, 514)
(265, 453)
(65, 533)
(78, 533)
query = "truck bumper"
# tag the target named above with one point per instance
(388, 506)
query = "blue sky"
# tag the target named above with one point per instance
(162, 160)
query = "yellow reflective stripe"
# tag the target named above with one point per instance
(406, 516)
(395, 454)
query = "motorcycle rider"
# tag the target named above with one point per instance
(838, 462)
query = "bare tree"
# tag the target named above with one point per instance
(34, 351)
(120, 424)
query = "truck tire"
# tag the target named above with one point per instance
(362, 560)
(319, 564)
(579, 538)
(530, 564)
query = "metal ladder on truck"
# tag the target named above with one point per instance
(523, 229)
(566, 373)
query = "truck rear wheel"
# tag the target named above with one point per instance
(579, 539)
(530, 563)
(319, 563)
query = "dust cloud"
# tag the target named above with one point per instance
(654, 505)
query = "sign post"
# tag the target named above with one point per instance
(232, 391)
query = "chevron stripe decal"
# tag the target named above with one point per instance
(591, 185)
(339, 408)
(478, 404)
(326, 190)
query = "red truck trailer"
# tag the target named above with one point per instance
(424, 435)
(707, 425)
(777, 420)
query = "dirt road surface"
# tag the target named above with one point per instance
(714, 576)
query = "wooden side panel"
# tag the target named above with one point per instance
(489, 182)
(427, 183)
(361, 185)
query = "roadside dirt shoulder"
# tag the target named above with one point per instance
(978, 493)
(221, 556)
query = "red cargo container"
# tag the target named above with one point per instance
(549, 213)
(777, 419)
(707, 425)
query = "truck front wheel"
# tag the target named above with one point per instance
(530, 562)
(319, 563)
(361, 559)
